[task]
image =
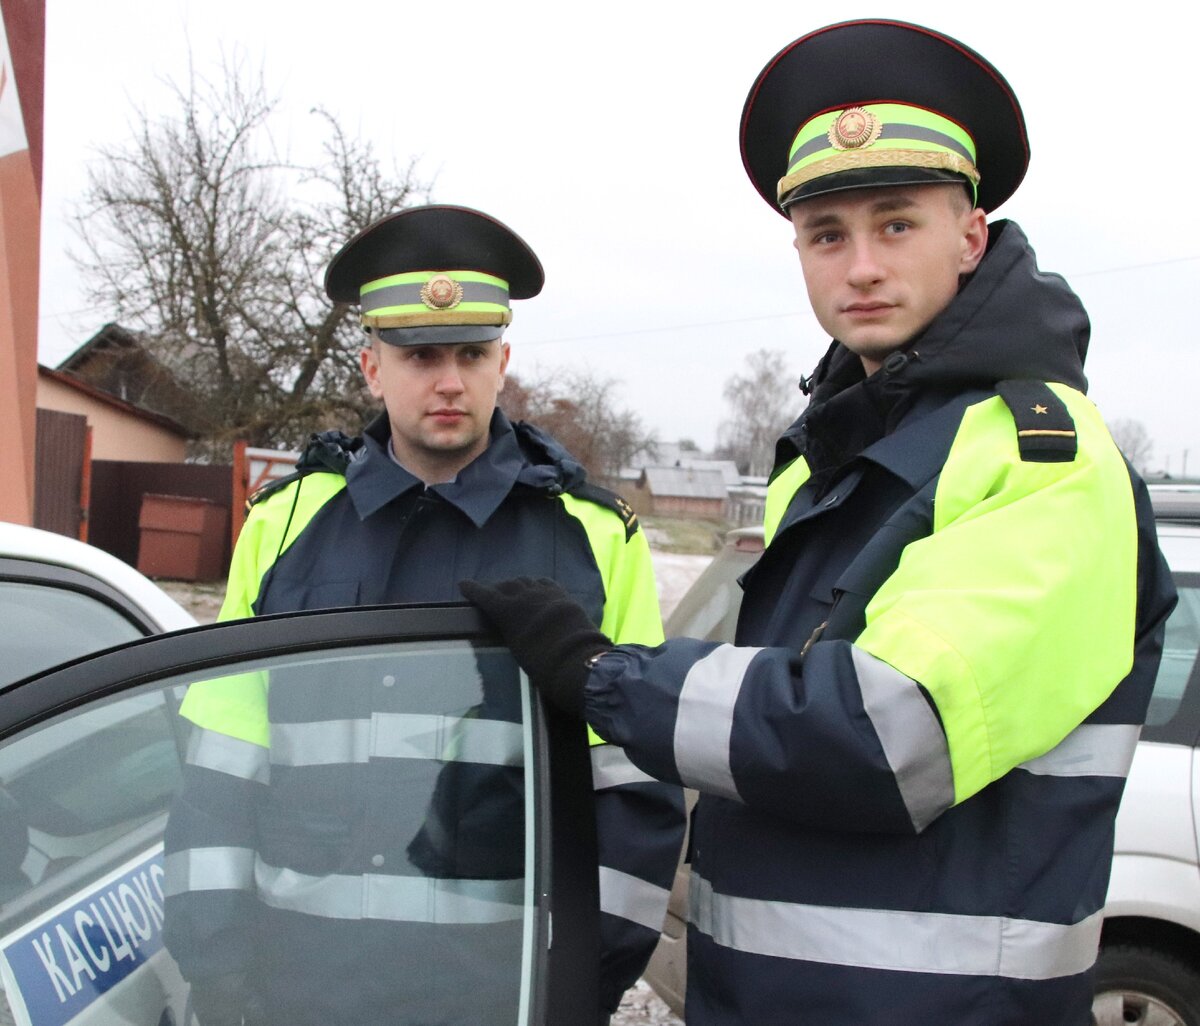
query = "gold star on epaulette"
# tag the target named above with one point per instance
(1039, 409)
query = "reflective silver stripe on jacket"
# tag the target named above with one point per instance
(213, 750)
(208, 869)
(632, 898)
(912, 739)
(611, 768)
(397, 736)
(1090, 750)
(704, 721)
(409, 899)
(918, 942)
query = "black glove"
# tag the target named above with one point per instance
(226, 1001)
(547, 630)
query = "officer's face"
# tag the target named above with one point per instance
(439, 400)
(880, 264)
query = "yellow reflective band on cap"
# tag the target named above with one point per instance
(878, 135)
(422, 298)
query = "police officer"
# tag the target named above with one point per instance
(910, 761)
(440, 486)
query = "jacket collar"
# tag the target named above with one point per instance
(374, 479)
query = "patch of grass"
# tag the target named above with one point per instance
(692, 537)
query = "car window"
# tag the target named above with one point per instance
(45, 625)
(1171, 715)
(409, 822)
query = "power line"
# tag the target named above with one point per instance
(1135, 267)
(802, 313)
(667, 327)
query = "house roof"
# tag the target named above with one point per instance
(727, 468)
(98, 394)
(108, 336)
(685, 482)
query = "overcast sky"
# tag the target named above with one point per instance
(606, 136)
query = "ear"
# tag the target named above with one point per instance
(504, 354)
(975, 236)
(368, 360)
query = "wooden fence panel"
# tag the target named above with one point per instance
(59, 462)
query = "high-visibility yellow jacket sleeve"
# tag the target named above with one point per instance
(1006, 614)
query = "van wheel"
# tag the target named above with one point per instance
(1146, 987)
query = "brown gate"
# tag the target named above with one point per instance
(61, 470)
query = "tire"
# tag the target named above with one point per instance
(1145, 986)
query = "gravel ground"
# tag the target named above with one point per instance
(642, 1007)
(673, 573)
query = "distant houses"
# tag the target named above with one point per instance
(686, 483)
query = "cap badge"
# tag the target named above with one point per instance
(853, 129)
(441, 293)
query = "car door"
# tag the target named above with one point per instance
(91, 769)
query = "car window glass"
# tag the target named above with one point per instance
(347, 832)
(46, 625)
(1180, 646)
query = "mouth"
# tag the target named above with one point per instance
(447, 414)
(872, 309)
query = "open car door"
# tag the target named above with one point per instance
(447, 813)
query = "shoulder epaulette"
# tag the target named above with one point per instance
(609, 500)
(329, 452)
(1045, 428)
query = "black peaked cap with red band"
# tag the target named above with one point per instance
(434, 237)
(877, 61)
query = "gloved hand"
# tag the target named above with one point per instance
(226, 1001)
(547, 630)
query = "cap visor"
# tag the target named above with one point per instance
(871, 178)
(440, 335)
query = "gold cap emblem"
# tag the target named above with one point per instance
(441, 293)
(853, 129)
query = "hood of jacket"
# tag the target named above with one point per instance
(548, 464)
(1010, 320)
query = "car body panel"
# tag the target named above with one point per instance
(38, 546)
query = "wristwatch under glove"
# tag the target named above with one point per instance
(551, 636)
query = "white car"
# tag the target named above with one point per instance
(1149, 966)
(60, 599)
(72, 792)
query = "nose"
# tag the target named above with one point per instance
(865, 269)
(449, 381)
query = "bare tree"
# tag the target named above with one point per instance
(200, 235)
(582, 411)
(1134, 441)
(763, 401)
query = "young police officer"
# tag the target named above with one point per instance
(910, 762)
(439, 487)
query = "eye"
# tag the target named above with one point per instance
(896, 227)
(825, 238)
